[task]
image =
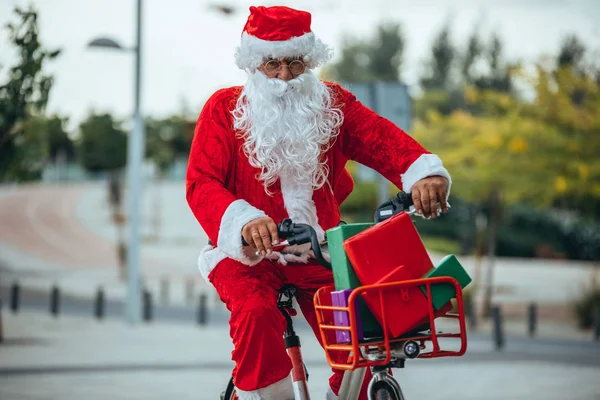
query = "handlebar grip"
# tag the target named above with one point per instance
(284, 230)
(405, 199)
(401, 202)
(300, 234)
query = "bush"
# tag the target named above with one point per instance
(584, 306)
(441, 244)
(361, 204)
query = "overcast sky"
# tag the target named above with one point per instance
(188, 49)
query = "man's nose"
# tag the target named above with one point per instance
(284, 73)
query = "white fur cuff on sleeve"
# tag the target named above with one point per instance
(238, 214)
(424, 166)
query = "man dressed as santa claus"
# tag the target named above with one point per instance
(276, 148)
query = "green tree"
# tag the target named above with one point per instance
(498, 77)
(571, 53)
(26, 92)
(377, 59)
(439, 72)
(168, 139)
(60, 146)
(103, 144)
(471, 56)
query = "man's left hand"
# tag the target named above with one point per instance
(428, 193)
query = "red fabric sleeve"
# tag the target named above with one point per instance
(375, 141)
(209, 164)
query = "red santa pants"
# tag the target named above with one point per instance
(257, 325)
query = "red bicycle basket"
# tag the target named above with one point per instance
(433, 344)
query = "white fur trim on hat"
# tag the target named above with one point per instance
(252, 51)
(238, 214)
(424, 166)
(282, 390)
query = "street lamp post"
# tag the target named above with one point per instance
(135, 156)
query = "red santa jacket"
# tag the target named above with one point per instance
(224, 193)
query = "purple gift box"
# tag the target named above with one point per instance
(339, 298)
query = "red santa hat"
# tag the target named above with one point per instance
(277, 32)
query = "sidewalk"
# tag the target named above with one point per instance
(169, 269)
(78, 358)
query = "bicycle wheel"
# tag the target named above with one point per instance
(383, 390)
(229, 393)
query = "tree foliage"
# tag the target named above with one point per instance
(438, 75)
(168, 139)
(103, 144)
(539, 151)
(25, 93)
(376, 59)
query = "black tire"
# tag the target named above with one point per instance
(229, 392)
(384, 391)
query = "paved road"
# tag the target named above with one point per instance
(518, 347)
(71, 358)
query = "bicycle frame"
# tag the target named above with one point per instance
(292, 344)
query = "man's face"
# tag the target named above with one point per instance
(284, 69)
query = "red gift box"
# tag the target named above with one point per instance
(392, 251)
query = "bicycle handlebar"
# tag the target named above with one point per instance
(300, 234)
(402, 202)
(304, 233)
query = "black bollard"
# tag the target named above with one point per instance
(470, 312)
(147, 304)
(164, 290)
(532, 312)
(55, 301)
(1, 329)
(189, 292)
(498, 331)
(99, 304)
(596, 321)
(202, 310)
(15, 297)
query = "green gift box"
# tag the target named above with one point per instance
(344, 276)
(442, 293)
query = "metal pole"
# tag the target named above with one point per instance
(135, 149)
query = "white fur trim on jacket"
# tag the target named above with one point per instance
(282, 390)
(252, 51)
(208, 259)
(424, 166)
(211, 256)
(238, 214)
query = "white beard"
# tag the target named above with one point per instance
(287, 127)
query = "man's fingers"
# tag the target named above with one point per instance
(257, 240)
(442, 197)
(433, 202)
(416, 197)
(265, 237)
(425, 204)
(274, 234)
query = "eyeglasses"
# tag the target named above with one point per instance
(272, 67)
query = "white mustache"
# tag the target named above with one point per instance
(280, 87)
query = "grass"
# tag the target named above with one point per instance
(441, 244)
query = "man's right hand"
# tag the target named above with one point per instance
(261, 233)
